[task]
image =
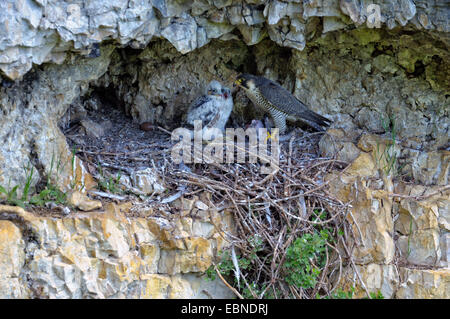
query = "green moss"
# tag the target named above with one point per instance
(365, 36)
(407, 59)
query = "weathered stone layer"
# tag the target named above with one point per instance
(36, 32)
(107, 254)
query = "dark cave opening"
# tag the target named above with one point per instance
(130, 69)
(155, 86)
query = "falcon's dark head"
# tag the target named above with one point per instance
(246, 81)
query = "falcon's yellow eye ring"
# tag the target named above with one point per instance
(238, 82)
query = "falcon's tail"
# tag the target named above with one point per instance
(315, 120)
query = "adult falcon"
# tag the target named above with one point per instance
(279, 102)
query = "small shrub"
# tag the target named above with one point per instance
(305, 258)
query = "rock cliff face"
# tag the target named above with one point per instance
(40, 31)
(109, 254)
(379, 69)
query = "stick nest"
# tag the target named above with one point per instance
(272, 212)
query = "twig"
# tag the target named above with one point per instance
(107, 195)
(227, 284)
(421, 197)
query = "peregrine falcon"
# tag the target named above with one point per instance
(213, 108)
(281, 104)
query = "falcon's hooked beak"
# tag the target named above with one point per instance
(238, 82)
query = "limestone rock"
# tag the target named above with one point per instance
(371, 212)
(181, 32)
(81, 201)
(35, 33)
(422, 240)
(292, 33)
(147, 181)
(62, 30)
(196, 256)
(445, 249)
(424, 284)
(200, 205)
(332, 24)
(12, 260)
(93, 129)
(275, 11)
(54, 88)
(104, 255)
(421, 247)
(251, 34)
(376, 278)
(432, 168)
(337, 143)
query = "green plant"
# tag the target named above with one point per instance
(226, 267)
(73, 182)
(305, 258)
(11, 196)
(340, 294)
(50, 193)
(11, 193)
(29, 170)
(256, 243)
(109, 184)
(322, 215)
(388, 156)
(58, 169)
(376, 295)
